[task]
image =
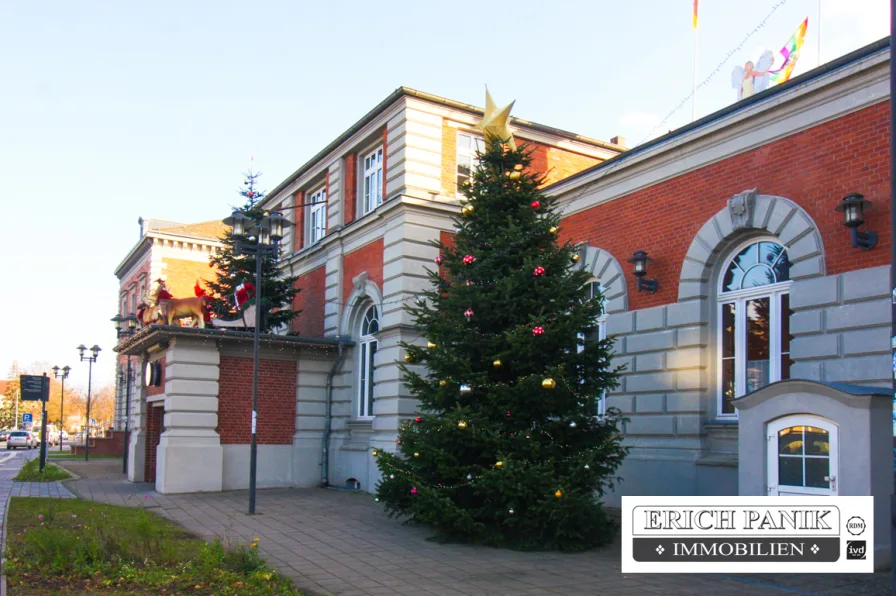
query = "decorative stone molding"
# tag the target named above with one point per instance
(760, 214)
(364, 290)
(605, 268)
(740, 206)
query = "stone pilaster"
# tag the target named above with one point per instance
(190, 456)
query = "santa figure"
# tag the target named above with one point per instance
(243, 293)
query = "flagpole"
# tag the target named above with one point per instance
(696, 54)
(819, 32)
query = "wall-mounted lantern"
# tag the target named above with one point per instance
(853, 208)
(640, 260)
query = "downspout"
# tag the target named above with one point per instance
(328, 421)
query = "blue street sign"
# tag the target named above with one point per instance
(27, 418)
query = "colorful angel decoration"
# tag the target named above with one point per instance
(753, 78)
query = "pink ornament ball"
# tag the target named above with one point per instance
(538, 330)
(468, 260)
(539, 271)
(413, 491)
(439, 260)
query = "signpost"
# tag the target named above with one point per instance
(37, 388)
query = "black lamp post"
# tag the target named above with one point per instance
(259, 238)
(94, 352)
(853, 208)
(62, 377)
(640, 260)
(126, 327)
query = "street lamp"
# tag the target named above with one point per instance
(62, 376)
(267, 233)
(126, 327)
(94, 352)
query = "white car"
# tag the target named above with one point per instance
(21, 438)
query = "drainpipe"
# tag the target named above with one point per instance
(328, 423)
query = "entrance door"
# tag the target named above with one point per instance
(803, 456)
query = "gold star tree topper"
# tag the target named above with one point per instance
(495, 122)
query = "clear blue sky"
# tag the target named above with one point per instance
(115, 110)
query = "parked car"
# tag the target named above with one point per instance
(21, 438)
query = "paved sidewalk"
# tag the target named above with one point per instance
(341, 543)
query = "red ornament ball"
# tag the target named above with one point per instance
(536, 204)
(250, 194)
(468, 313)
(538, 330)
(508, 414)
(398, 441)
(539, 271)
(468, 260)
(469, 283)
(439, 260)
(418, 419)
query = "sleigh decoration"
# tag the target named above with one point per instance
(244, 292)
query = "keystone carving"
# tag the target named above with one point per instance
(360, 280)
(740, 207)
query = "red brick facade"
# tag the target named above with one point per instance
(310, 323)
(351, 188)
(814, 168)
(154, 422)
(276, 401)
(298, 237)
(368, 258)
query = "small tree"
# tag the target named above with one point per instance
(277, 291)
(508, 448)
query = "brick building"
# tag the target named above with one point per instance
(754, 284)
(177, 252)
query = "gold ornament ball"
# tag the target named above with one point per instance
(549, 383)
(462, 424)
(467, 210)
(518, 167)
(431, 345)
(575, 258)
(510, 511)
(497, 364)
(514, 175)
(555, 230)
(408, 358)
(416, 454)
(499, 464)
(442, 383)
(374, 453)
(558, 494)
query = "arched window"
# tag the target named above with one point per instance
(370, 324)
(754, 321)
(598, 333)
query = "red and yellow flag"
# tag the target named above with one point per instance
(695, 14)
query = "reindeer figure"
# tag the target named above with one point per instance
(169, 309)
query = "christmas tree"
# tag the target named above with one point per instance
(237, 273)
(507, 449)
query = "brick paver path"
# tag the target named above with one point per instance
(341, 543)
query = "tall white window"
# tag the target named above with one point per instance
(317, 216)
(753, 322)
(598, 333)
(372, 187)
(467, 146)
(370, 324)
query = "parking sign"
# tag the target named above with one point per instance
(27, 418)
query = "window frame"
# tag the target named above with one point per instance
(367, 348)
(774, 292)
(378, 151)
(476, 143)
(316, 209)
(601, 324)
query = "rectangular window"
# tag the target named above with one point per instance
(754, 346)
(597, 333)
(372, 181)
(133, 302)
(317, 216)
(467, 146)
(365, 379)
